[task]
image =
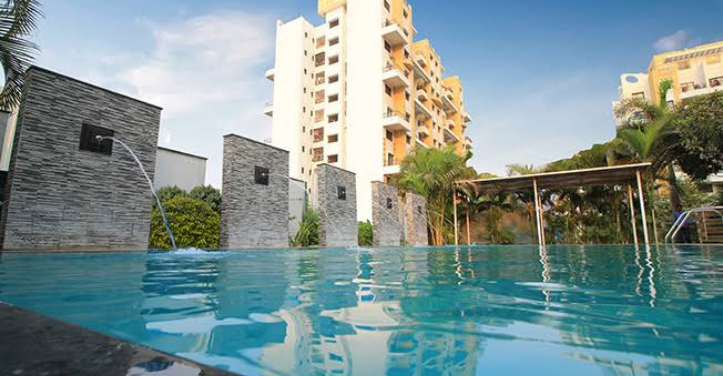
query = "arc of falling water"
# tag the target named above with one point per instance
(150, 184)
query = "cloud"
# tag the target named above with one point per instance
(676, 41)
(202, 60)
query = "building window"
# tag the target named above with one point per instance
(304, 90)
(409, 139)
(306, 35)
(333, 159)
(390, 205)
(333, 60)
(406, 95)
(303, 150)
(333, 23)
(333, 79)
(390, 159)
(388, 90)
(333, 138)
(318, 155)
(390, 136)
(386, 6)
(302, 170)
(404, 12)
(334, 41)
(303, 109)
(306, 53)
(319, 135)
(387, 47)
(341, 192)
(305, 71)
(333, 118)
(333, 98)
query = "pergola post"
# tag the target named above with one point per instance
(646, 236)
(469, 239)
(632, 214)
(538, 218)
(456, 224)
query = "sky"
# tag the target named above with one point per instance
(539, 76)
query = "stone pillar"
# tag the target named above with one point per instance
(336, 203)
(385, 215)
(65, 190)
(415, 210)
(255, 202)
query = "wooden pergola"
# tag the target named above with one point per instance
(618, 175)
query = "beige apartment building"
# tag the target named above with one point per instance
(693, 72)
(359, 92)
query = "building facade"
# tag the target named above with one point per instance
(359, 93)
(693, 72)
(176, 168)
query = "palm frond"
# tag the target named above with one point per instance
(18, 20)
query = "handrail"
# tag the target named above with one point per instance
(678, 224)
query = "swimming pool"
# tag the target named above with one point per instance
(517, 310)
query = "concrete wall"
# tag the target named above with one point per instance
(175, 168)
(337, 216)
(61, 197)
(297, 204)
(385, 219)
(415, 212)
(254, 215)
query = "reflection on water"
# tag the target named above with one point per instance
(554, 310)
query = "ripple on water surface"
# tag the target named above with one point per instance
(480, 311)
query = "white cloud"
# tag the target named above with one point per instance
(202, 60)
(676, 41)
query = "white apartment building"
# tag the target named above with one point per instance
(349, 93)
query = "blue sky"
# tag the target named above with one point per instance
(539, 76)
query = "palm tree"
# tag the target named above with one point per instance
(432, 173)
(18, 20)
(651, 136)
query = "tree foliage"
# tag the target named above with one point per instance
(194, 224)
(366, 234)
(432, 173)
(308, 234)
(209, 195)
(18, 20)
(699, 124)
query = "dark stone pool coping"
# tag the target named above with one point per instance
(33, 344)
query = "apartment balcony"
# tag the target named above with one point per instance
(466, 118)
(270, 74)
(420, 59)
(420, 75)
(421, 144)
(448, 105)
(450, 137)
(421, 110)
(395, 76)
(422, 95)
(393, 34)
(392, 169)
(269, 110)
(437, 99)
(450, 124)
(688, 93)
(422, 131)
(395, 121)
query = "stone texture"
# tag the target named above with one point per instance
(60, 197)
(385, 219)
(39, 345)
(254, 215)
(415, 211)
(337, 217)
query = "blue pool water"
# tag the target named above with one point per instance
(522, 310)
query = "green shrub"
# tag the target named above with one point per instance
(366, 234)
(193, 222)
(166, 193)
(308, 234)
(209, 195)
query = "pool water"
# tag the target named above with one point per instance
(517, 310)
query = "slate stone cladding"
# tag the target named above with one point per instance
(337, 216)
(63, 198)
(254, 215)
(415, 210)
(385, 215)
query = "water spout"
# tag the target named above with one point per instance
(150, 184)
